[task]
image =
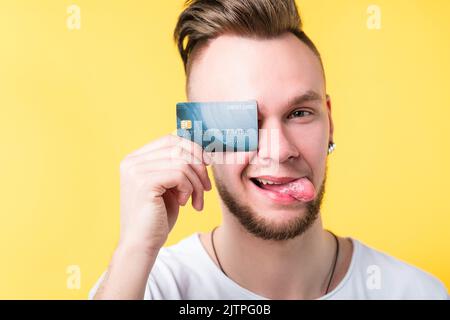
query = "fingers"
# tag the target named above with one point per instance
(172, 141)
(168, 157)
(175, 182)
(170, 167)
(182, 157)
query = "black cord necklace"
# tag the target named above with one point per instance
(333, 268)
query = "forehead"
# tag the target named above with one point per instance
(269, 70)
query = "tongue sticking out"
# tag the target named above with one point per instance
(301, 189)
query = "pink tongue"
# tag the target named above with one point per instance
(301, 189)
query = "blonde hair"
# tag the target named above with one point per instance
(203, 20)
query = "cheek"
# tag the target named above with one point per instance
(317, 152)
(318, 145)
(318, 134)
(234, 161)
(230, 166)
(314, 145)
(311, 139)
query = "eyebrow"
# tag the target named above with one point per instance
(309, 95)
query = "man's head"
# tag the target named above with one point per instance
(256, 50)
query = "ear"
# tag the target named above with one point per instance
(330, 119)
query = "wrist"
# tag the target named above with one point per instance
(135, 251)
(128, 272)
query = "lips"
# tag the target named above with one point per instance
(276, 180)
(300, 189)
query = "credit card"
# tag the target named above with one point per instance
(219, 126)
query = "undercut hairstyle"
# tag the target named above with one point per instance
(204, 20)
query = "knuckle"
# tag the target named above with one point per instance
(179, 175)
(198, 184)
(183, 180)
(132, 171)
(189, 188)
(129, 169)
(124, 165)
(180, 164)
(177, 152)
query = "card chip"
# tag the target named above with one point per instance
(186, 124)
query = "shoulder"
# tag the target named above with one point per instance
(389, 277)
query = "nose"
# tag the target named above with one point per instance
(275, 144)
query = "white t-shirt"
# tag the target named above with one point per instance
(186, 271)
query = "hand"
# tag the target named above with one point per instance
(154, 182)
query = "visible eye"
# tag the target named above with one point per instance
(299, 113)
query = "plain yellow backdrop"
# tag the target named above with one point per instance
(75, 102)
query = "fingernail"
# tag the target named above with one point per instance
(185, 198)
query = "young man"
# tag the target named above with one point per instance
(271, 244)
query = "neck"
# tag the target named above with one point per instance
(298, 268)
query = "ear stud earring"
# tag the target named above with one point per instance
(331, 147)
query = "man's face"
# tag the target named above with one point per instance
(286, 79)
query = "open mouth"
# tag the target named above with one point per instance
(300, 189)
(257, 182)
(267, 184)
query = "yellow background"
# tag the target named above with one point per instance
(74, 103)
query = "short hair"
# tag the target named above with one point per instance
(203, 20)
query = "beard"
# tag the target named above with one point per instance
(263, 229)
